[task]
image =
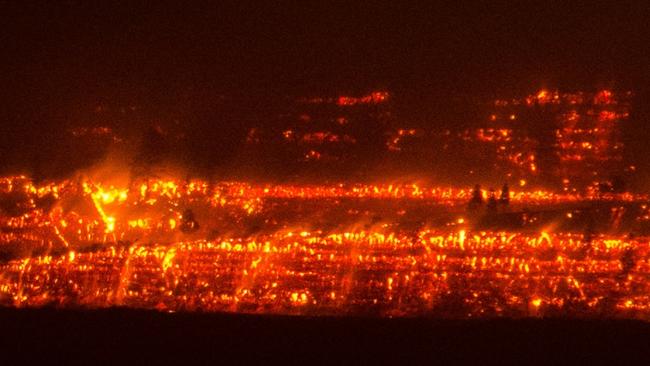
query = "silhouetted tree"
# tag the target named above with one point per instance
(618, 184)
(492, 201)
(154, 146)
(477, 198)
(604, 187)
(505, 194)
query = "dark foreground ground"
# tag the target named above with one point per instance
(144, 337)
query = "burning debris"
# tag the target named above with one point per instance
(396, 249)
(392, 249)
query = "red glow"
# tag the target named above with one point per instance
(373, 98)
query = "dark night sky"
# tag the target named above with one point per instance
(77, 48)
(61, 57)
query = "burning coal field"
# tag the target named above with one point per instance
(344, 249)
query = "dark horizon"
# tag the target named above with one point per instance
(224, 68)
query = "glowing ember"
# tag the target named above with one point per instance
(195, 245)
(479, 274)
